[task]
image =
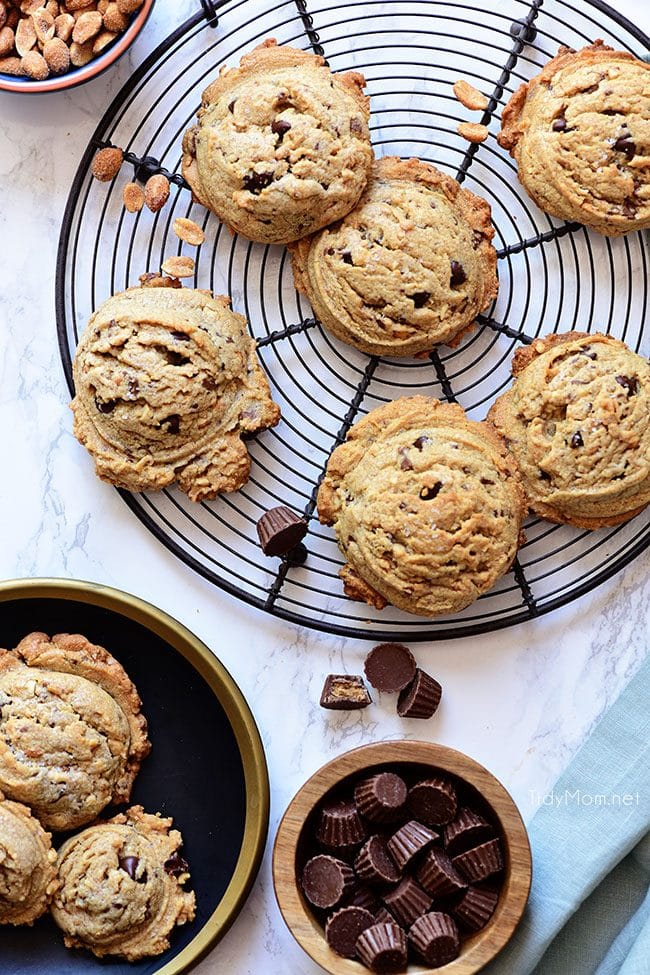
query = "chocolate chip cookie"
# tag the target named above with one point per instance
(121, 887)
(409, 268)
(167, 383)
(27, 873)
(577, 422)
(427, 507)
(580, 133)
(72, 735)
(281, 147)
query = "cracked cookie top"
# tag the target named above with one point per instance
(409, 268)
(72, 735)
(576, 421)
(580, 133)
(426, 504)
(121, 887)
(167, 381)
(27, 874)
(282, 146)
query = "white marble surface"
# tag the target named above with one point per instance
(520, 701)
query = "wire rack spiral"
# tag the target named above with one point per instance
(554, 276)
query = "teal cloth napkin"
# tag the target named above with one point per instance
(589, 907)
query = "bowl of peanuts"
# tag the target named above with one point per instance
(53, 45)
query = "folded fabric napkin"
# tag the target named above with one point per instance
(589, 907)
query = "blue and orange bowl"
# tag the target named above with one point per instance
(79, 76)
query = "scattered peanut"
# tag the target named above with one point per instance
(470, 97)
(107, 163)
(188, 231)
(156, 192)
(52, 8)
(178, 267)
(473, 131)
(133, 197)
(3, 15)
(29, 7)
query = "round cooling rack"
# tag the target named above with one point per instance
(554, 276)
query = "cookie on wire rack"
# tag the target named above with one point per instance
(408, 269)
(282, 146)
(427, 507)
(577, 422)
(167, 384)
(579, 132)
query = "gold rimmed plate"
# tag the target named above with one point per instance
(206, 769)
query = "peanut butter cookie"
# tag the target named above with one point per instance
(27, 874)
(72, 736)
(121, 887)
(409, 268)
(577, 422)
(426, 504)
(282, 146)
(167, 382)
(580, 133)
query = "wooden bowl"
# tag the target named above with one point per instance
(477, 950)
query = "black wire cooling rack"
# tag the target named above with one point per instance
(554, 276)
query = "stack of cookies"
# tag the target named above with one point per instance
(72, 739)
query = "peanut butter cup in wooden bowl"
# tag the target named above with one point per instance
(419, 853)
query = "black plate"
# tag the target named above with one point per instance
(195, 773)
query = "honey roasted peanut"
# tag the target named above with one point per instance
(86, 27)
(156, 192)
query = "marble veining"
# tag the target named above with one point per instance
(521, 701)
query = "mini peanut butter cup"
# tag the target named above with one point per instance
(435, 938)
(340, 826)
(410, 840)
(467, 830)
(279, 530)
(343, 928)
(433, 801)
(421, 698)
(364, 896)
(326, 881)
(383, 948)
(382, 797)
(390, 667)
(475, 908)
(481, 862)
(344, 692)
(383, 916)
(407, 902)
(375, 864)
(438, 876)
